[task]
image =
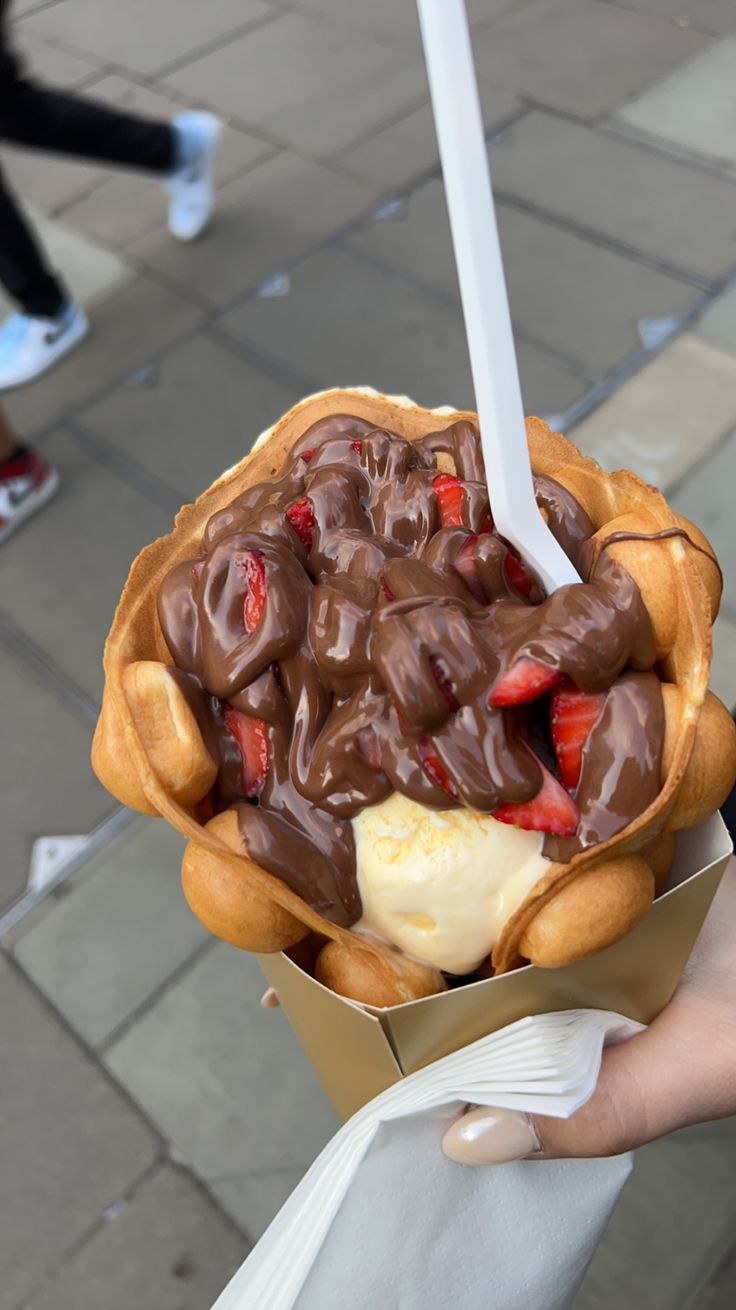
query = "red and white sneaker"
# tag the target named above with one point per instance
(27, 481)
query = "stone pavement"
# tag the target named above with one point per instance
(152, 1117)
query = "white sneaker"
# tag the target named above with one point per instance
(29, 346)
(27, 481)
(191, 187)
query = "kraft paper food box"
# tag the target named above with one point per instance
(359, 1051)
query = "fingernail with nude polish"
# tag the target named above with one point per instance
(489, 1136)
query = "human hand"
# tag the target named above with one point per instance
(680, 1071)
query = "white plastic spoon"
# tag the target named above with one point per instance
(458, 122)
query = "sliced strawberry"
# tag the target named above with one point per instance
(518, 574)
(306, 455)
(450, 498)
(301, 518)
(254, 602)
(523, 681)
(252, 738)
(387, 590)
(487, 524)
(573, 714)
(434, 768)
(444, 684)
(465, 566)
(357, 446)
(551, 810)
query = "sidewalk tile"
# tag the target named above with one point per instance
(90, 271)
(566, 293)
(49, 63)
(315, 86)
(718, 323)
(71, 561)
(619, 189)
(46, 783)
(706, 497)
(168, 1248)
(672, 1225)
(108, 213)
(694, 106)
(263, 221)
(723, 669)
(69, 1143)
(371, 328)
(396, 20)
(142, 36)
(48, 182)
(663, 422)
(580, 57)
(720, 1292)
(196, 413)
(116, 935)
(207, 1043)
(715, 16)
(395, 155)
(125, 329)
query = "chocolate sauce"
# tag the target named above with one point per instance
(382, 633)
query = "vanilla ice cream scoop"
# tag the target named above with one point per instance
(441, 884)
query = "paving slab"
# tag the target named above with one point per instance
(195, 413)
(567, 294)
(116, 935)
(228, 1085)
(693, 106)
(46, 783)
(720, 1292)
(394, 156)
(264, 221)
(69, 563)
(89, 270)
(69, 1142)
(167, 1246)
(715, 16)
(345, 323)
(618, 189)
(141, 36)
(536, 50)
(723, 668)
(311, 85)
(706, 497)
(672, 1225)
(718, 323)
(49, 182)
(396, 20)
(665, 420)
(125, 204)
(126, 329)
(47, 62)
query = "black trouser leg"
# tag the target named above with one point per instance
(23, 269)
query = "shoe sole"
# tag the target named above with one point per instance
(77, 334)
(35, 501)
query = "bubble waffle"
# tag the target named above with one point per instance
(150, 747)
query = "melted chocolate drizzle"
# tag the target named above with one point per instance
(376, 645)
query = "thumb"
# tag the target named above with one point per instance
(648, 1086)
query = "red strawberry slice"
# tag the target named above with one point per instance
(252, 738)
(357, 446)
(301, 518)
(523, 681)
(388, 593)
(465, 566)
(573, 714)
(444, 684)
(306, 455)
(255, 589)
(450, 498)
(551, 810)
(487, 524)
(518, 574)
(434, 768)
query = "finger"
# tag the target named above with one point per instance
(270, 1000)
(672, 1075)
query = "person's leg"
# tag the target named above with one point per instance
(24, 271)
(27, 480)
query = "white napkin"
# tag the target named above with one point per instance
(382, 1218)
